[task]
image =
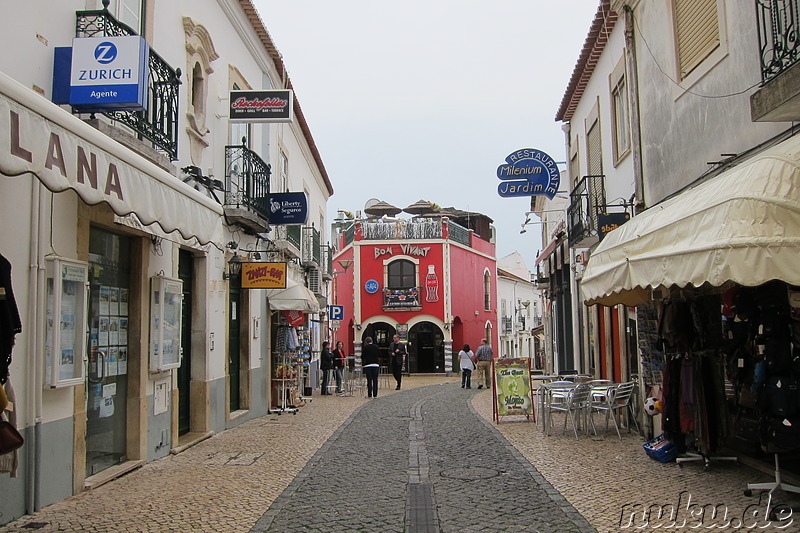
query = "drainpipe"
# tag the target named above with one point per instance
(636, 129)
(36, 303)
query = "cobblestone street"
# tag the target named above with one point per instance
(427, 458)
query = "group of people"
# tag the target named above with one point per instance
(334, 361)
(480, 361)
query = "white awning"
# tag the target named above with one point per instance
(742, 225)
(295, 297)
(38, 137)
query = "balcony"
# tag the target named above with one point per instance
(587, 200)
(159, 123)
(246, 189)
(778, 99)
(401, 299)
(415, 228)
(310, 247)
(506, 324)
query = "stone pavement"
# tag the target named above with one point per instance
(242, 478)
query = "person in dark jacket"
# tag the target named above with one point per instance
(397, 355)
(339, 359)
(370, 360)
(326, 365)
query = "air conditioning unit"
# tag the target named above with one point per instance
(314, 281)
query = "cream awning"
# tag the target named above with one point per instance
(295, 297)
(742, 225)
(37, 137)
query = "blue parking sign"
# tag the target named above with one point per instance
(336, 312)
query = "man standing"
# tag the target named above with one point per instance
(370, 357)
(397, 353)
(484, 356)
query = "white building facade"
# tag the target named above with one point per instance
(137, 337)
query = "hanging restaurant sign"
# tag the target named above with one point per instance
(528, 172)
(263, 275)
(261, 106)
(608, 222)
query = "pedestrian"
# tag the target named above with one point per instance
(484, 356)
(326, 366)
(397, 356)
(339, 359)
(465, 361)
(370, 359)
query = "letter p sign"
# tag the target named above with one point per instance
(336, 312)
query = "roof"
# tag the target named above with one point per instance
(596, 40)
(258, 25)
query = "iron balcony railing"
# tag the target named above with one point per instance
(587, 200)
(293, 235)
(246, 180)
(401, 298)
(778, 35)
(311, 247)
(458, 233)
(421, 229)
(507, 324)
(159, 123)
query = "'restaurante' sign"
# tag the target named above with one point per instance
(528, 172)
(261, 106)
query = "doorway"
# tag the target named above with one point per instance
(382, 334)
(234, 367)
(426, 348)
(185, 274)
(107, 366)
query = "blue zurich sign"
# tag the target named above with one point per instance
(528, 172)
(109, 73)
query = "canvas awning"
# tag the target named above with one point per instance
(37, 137)
(295, 297)
(742, 225)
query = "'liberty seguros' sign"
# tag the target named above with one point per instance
(528, 172)
(109, 73)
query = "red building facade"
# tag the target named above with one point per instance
(431, 280)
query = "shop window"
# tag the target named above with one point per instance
(401, 274)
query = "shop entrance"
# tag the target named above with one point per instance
(107, 371)
(185, 269)
(426, 348)
(233, 345)
(382, 334)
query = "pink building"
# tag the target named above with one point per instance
(432, 279)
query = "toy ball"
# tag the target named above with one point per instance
(652, 406)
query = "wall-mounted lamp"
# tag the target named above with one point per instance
(234, 267)
(346, 263)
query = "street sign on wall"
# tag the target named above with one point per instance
(336, 312)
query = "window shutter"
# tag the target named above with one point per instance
(594, 150)
(696, 31)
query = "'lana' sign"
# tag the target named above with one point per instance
(528, 172)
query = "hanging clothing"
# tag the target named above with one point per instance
(10, 323)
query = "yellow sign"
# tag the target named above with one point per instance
(263, 275)
(512, 387)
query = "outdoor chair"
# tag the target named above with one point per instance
(617, 399)
(575, 407)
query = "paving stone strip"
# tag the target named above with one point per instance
(384, 470)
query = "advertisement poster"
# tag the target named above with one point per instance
(512, 387)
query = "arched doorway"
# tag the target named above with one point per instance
(426, 348)
(381, 334)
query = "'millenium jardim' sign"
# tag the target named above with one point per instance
(528, 172)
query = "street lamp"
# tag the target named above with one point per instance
(234, 267)
(345, 264)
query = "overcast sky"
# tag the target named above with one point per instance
(425, 99)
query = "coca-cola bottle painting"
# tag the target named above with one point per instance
(431, 285)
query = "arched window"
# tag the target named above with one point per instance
(487, 292)
(402, 274)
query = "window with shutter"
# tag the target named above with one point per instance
(594, 151)
(697, 32)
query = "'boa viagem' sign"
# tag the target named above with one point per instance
(528, 172)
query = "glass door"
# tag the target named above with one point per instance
(106, 382)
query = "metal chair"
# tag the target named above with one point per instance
(617, 399)
(576, 405)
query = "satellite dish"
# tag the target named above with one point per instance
(370, 203)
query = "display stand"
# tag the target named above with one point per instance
(287, 377)
(772, 486)
(692, 457)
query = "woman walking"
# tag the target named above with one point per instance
(467, 364)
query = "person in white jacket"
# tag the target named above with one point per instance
(466, 360)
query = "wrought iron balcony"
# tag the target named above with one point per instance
(401, 298)
(246, 188)
(778, 42)
(507, 324)
(415, 228)
(310, 247)
(587, 200)
(159, 123)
